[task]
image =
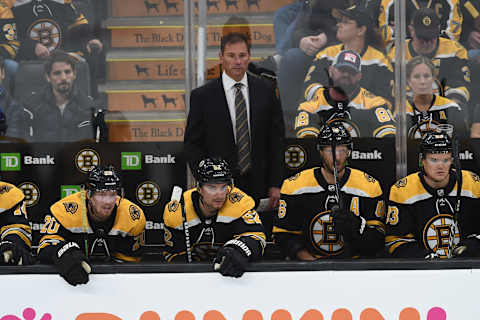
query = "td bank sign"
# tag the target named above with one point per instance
(13, 161)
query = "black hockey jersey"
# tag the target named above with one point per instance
(442, 111)
(121, 237)
(56, 24)
(377, 71)
(448, 11)
(420, 218)
(13, 216)
(304, 221)
(366, 115)
(451, 68)
(237, 219)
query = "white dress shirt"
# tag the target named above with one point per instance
(229, 87)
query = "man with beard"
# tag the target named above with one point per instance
(433, 213)
(214, 222)
(94, 224)
(323, 215)
(60, 112)
(360, 111)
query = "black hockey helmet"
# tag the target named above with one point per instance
(213, 170)
(102, 178)
(435, 142)
(334, 132)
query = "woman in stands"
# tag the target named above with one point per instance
(425, 109)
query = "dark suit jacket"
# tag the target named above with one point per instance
(209, 131)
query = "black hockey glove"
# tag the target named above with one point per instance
(348, 224)
(72, 264)
(232, 258)
(469, 247)
(16, 254)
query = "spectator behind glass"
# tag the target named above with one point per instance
(450, 13)
(315, 28)
(448, 56)
(426, 110)
(8, 41)
(345, 101)
(67, 29)
(13, 117)
(356, 31)
(60, 112)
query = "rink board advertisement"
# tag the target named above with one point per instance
(314, 295)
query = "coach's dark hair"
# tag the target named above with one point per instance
(59, 56)
(234, 37)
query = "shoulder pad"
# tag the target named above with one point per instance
(302, 182)
(5, 11)
(68, 211)
(451, 48)
(172, 214)
(362, 184)
(445, 102)
(372, 100)
(408, 190)
(236, 204)
(329, 52)
(130, 218)
(9, 196)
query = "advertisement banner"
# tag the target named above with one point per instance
(335, 295)
(47, 172)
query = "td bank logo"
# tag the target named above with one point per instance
(131, 161)
(67, 190)
(10, 161)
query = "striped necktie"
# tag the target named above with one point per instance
(243, 136)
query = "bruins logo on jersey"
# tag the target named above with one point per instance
(70, 207)
(323, 236)
(438, 234)
(369, 178)
(173, 206)
(401, 183)
(134, 212)
(47, 32)
(475, 177)
(5, 189)
(235, 197)
(295, 177)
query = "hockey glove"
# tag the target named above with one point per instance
(232, 258)
(72, 264)
(16, 254)
(469, 247)
(348, 224)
